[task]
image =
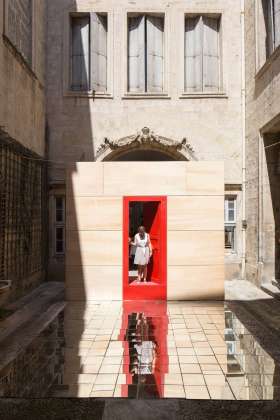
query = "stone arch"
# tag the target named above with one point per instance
(144, 146)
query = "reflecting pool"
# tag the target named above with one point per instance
(194, 350)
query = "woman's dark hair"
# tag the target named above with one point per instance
(141, 231)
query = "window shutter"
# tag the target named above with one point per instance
(155, 53)
(80, 53)
(193, 55)
(277, 22)
(211, 72)
(136, 54)
(268, 18)
(98, 37)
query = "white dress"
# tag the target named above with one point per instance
(142, 254)
(145, 352)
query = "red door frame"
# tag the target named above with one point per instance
(145, 291)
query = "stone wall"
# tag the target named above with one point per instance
(22, 131)
(79, 122)
(262, 126)
(38, 366)
(22, 97)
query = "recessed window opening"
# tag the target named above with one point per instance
(202, 54)
(89, 52)
(59, 225)
(230, 223)
(146, 53)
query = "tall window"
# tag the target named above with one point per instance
(89, 52)
(19, 26)
(145, 53)
(59, 225)
(230, 222)
(202, 54)
(271, 9)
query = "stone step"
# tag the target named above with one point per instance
(59, 391)
(276, 283)
(22, 337)
(271, 290)
(30, 307)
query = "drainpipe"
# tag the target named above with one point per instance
(243, 111)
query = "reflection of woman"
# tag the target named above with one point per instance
(143, 252)
(142, 356)
(146, 348)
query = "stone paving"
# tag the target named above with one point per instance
(193, 350)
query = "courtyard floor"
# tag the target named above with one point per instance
(192, 350)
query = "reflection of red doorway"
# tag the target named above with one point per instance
(144, 379)
(154, 219)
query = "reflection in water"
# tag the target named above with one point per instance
(252, 371)
(176, 349)
(142, 353)
(144, 341)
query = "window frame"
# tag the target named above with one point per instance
(67, 45)
(218, 17)
(72, 18)
(59, 224)
(263, 60)
(230, 223)
(221, 93)
(166, 36)
(273, 46)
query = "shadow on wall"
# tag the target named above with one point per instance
(67, 145)
(266, 79)
(76, 328)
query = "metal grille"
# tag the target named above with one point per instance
(23, 213)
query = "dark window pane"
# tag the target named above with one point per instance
(59, 247)
(59, 234)
(59, 203)
(231, 215)
(229, 237)
(59, 216)
(59, 209)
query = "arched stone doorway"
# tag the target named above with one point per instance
(143, 155)
(145, 146)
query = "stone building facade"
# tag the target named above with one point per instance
(22, 73)
(22, 143)
(120, 70)
(262, 46)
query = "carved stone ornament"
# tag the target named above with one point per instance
(146, 139)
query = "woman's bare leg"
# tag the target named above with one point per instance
(139, 273)
(142, 272)
(145, 270)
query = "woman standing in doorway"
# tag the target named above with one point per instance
(143, 252)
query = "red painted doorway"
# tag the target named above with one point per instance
(152, 213)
